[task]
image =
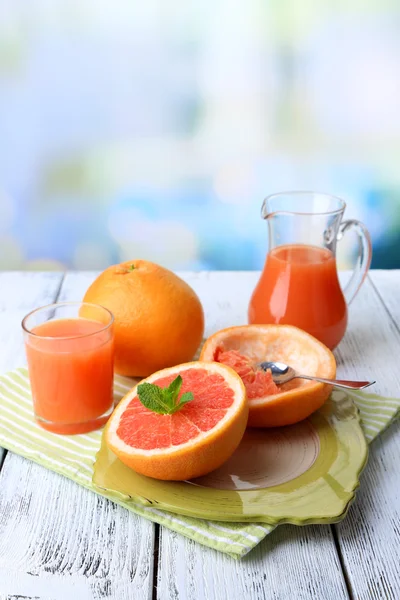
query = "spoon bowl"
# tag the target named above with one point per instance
(282, 373)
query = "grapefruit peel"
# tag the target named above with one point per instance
(297, 399)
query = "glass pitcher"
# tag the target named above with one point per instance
(299, 284)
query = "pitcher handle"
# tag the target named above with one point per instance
(363, 259)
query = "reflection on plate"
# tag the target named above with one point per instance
(304, 473)
(267, 457)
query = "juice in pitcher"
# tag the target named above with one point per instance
(299, 284)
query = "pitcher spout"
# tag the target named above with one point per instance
(268, 211)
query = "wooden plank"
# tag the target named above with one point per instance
(370, 343)
(369, 537)
(75, 285)
(387, 284)
(225, 296)
(62, 541)
(19, 293)
(26, 290)
(58, 540)
(292, 562)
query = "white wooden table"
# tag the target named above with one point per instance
(61, 542)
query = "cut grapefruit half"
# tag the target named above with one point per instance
(191, 442)
(245, 346)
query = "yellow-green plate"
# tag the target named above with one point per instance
(304, 473)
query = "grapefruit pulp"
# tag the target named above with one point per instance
(245, 346)
(194, 440)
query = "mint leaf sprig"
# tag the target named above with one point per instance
(163, 401)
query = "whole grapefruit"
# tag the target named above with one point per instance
(159, 320)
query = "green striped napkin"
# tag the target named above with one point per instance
(73, 457)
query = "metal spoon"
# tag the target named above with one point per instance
(282, 373)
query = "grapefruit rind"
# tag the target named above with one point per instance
(285, 343)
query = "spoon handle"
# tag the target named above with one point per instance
(343, 383)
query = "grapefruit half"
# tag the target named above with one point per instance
(191, 442)
(245, 346)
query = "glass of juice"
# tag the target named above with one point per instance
(299, 284)
(70, 351)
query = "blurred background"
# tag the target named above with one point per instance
(155, 129)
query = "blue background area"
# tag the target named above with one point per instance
(156, 131)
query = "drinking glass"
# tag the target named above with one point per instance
(70, 351)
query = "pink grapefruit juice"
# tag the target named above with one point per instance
(70, 365)
(300, 286)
